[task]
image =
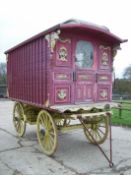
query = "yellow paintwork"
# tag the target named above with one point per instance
(46, 132)
(19, 119)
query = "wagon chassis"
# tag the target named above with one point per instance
(49, 122)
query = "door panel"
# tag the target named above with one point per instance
(84, 74)
(104, 86)
(62, 93)
(84, 92)
(103, 92)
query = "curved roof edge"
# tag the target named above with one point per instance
(72, 23)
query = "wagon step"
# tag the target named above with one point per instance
(109, 159)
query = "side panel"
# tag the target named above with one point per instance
(26, 69)
(61, 75)
(104, 86)
(104, 73)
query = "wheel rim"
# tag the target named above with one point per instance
(98, 129)
(19, 119)
(46, 132)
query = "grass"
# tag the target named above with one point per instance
(125, 118)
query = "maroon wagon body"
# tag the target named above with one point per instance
(49, 68)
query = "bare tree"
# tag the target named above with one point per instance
(127, 73)
(3, 72)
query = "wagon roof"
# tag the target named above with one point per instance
(78, 25)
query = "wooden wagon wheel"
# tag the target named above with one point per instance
(98, 129)
(46, 132)
(19, 119)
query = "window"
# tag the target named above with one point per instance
(84, 54)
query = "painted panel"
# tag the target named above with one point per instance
(103, 77)
(103, 92)
(62, 93)
(85, 76)
(104, 57)
(63, 53)
(84, 93)
(62, 76)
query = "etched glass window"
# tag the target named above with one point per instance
(84, 54)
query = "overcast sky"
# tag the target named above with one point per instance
(20, 19)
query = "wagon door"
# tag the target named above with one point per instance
(62, 72)
(84, 75)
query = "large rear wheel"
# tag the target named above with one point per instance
(46, 132)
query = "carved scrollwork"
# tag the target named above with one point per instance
(61, 94)
(105, 59)
(53, 37)
(63, 54)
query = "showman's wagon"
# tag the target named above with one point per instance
(61, 75)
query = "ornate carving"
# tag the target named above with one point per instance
(103, 78)
(61, 94)
(62, 54)
(52, 39)
(83, 77)
(103, 93)
(105, 59)
(105, 47)
(61, 76)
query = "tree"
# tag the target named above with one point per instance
(127, 73)
(3, 73)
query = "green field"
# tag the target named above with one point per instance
(125, 118)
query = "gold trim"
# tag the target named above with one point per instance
(104, 47)
(61, 76)
(53, 37)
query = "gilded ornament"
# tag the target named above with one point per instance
(62, 77)
(62, 94)
(105, 59)
(52, 39)
(103, 78)
(63, 54)
(103, 93)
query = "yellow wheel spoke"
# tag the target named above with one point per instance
(49, 141)
(98, 129)
(101, 131)
(18, 119)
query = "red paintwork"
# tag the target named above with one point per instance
(35, 77)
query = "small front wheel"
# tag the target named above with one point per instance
(19, 119)
(46, 132)
(98, 129)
